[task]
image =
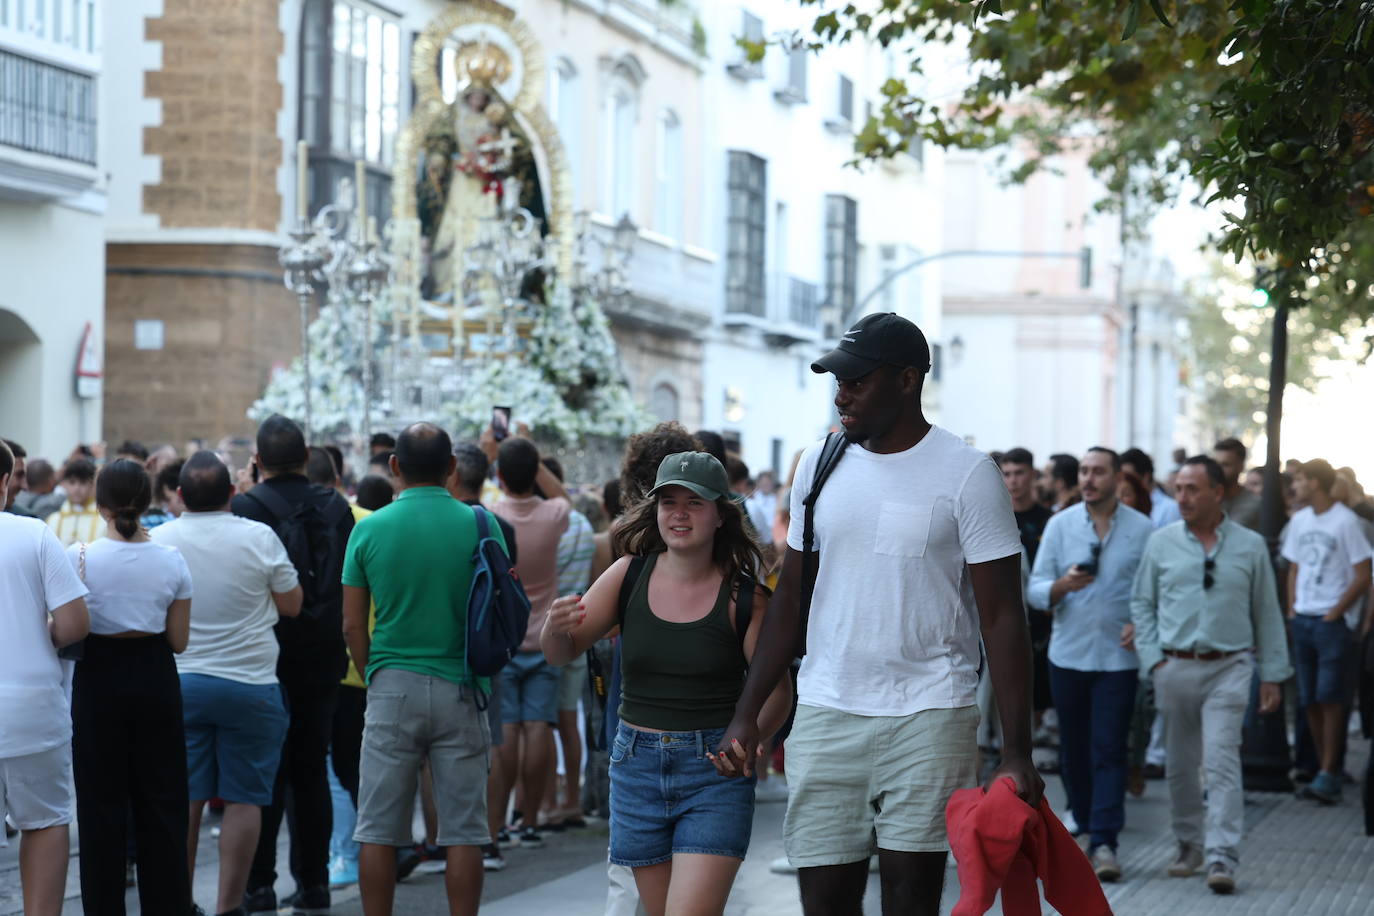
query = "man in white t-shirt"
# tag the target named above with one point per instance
(1327, 579)
(232, 704)
(42, 608)
(919, 555)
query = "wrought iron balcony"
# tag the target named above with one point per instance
(47, 109)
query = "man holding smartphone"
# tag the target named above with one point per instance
(1082, 577)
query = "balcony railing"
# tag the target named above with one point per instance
(47, 109)
(803, 303)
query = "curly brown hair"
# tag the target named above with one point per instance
(644, 452)
(735, 550)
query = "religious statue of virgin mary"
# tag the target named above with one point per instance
(477, 164)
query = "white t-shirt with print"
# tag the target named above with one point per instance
(1326, 547)
(35, 579)
(236, 565)
(131, 583)
(894, 628)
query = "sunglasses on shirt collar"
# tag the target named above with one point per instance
(1208, 564)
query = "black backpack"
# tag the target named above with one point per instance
(831, 453)
(310, 533)
(498, 610)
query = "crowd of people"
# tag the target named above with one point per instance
(1157, 639)
(182, 635)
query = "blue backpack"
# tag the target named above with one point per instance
(498, 609)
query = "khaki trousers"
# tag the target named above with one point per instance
(1203, 706)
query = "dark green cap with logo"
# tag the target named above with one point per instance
(699, 472)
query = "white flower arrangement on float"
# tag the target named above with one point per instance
(568, 385)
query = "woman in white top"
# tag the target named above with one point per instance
(128, 743)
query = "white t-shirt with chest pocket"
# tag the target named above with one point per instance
(894, 628)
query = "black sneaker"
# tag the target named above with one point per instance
(236, 911)
(504, 840)
(530, 839)
(308, 901)
(492, 860)
(406, 860)
(260, 900)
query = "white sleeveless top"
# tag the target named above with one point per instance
(131, 584)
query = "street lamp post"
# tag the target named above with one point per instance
(1084, 256)
(1264, 751)
(608, 283)
(302, 262)
(367, 273)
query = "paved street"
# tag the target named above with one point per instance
(1297, 858)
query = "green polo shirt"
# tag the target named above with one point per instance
(415, 556)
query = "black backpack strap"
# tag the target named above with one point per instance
(275, 504)
(627, 586)
(831, 453)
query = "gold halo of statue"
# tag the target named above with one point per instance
(487, 149)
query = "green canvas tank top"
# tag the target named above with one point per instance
(679, 676)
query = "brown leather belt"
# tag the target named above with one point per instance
(1210, 656)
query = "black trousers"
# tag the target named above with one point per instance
(346, 749)
(301, 793)
(129, 755)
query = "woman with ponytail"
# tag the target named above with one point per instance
(128, 742)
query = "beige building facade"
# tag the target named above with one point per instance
(211, 100)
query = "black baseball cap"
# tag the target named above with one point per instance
(881, 339)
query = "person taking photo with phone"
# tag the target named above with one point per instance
(1082, 577)
(690, 613)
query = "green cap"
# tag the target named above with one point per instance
(699, 472)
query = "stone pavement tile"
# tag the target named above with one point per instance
(1297, 858)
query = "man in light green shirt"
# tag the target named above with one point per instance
(1205, 612)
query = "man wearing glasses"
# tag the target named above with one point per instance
(1082, 577)
(1206, 611)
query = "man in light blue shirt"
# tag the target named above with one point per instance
(1082, 576)
(1163, 510)
(1204, 607)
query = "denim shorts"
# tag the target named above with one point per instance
(667, 798)
(234, 735)
(1321, 654)
(529, 690)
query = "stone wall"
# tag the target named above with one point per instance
(228, 320)
(220, 98)
(652, 354)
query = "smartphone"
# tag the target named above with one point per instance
(500, 422)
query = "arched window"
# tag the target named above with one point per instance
(668, 187)
(663, 402)
(620, 119)
(564, 110)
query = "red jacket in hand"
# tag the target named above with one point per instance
(1000, 842)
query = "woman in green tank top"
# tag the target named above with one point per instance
(681, 825)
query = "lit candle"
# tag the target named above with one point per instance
(361, 183)
(302, 179)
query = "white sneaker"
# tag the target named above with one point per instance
(1105, 864)
(1188, 862)
(781, 866)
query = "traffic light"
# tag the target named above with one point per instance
(1259, 296)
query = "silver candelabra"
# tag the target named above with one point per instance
(338, 254)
